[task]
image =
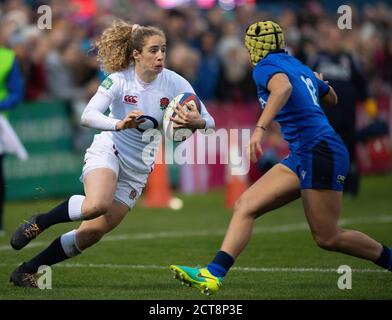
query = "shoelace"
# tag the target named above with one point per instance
(32, 230)
(30, 278)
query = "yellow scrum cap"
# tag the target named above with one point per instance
(263, 37)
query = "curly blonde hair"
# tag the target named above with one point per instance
(116, 45)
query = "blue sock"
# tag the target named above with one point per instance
(221, 264)
(385, 260)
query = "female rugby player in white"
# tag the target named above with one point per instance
(116, 168)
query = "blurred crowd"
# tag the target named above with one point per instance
(205, 46)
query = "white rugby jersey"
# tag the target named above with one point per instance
(123, 92)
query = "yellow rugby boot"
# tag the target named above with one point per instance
(199, 278)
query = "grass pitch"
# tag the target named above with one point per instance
(281, 261)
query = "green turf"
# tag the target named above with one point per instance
(135, 266)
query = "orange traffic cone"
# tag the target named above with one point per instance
(235, 184)
(235, 187)
(158, 192)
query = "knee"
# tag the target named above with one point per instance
(327, 242)
(241, 208)
(95, 208)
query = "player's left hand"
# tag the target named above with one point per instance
(254, 148)
(188, 119)
(320, 76)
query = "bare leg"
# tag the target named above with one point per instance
(276, 188)
(322, 210)
(99, 186)
(91, 231)
(70, 244)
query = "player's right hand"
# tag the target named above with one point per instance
(254, 148)
(130, 121)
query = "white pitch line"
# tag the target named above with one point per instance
(220, 232)
(251, 269)
(240, 269)
(31, 245)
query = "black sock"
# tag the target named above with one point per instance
(57, 215)
(49, 256)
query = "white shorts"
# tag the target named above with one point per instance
(102, 154)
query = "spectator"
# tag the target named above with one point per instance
(346, 76)
(11, 93)
(209, 68)
(62, 64)
(236, 84)
(185, 60)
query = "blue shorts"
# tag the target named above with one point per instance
(321, 164)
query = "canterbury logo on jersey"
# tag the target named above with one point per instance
(130, 99)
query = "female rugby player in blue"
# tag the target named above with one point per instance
(315, 170)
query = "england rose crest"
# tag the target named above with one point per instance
(164, 103)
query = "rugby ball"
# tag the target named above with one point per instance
(179, 134)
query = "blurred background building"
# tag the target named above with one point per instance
(205, 45)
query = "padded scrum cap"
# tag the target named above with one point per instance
(263, 37)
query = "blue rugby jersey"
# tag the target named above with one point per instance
(301, 118)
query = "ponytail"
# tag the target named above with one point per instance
(116, 45)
